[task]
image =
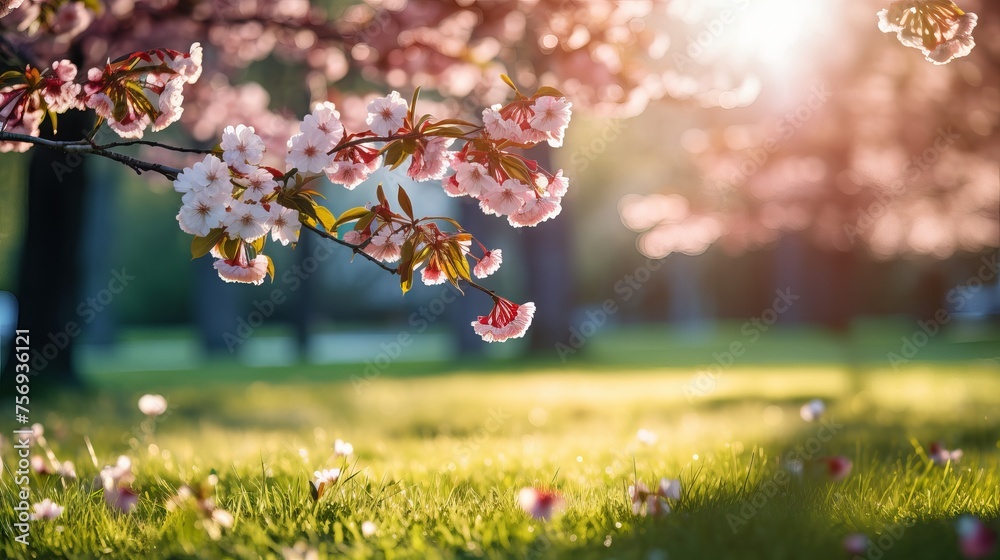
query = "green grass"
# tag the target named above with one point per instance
(440, 459)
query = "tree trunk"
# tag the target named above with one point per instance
(49, 279)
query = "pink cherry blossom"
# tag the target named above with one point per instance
(202, 212)
(430, 161)
(431, 275)
(240, 270)
(551, 116)
(46, 510)
(60, 91)
(211, 174)
(326, 119)
(386, 114)
(350, 174)
(307, 151)
(474, 179)
(488, 264)
(386, 244)
(941, 456)
(498, 127)
(538, 503)
(536, 210)
(170, 105)
(506, 320)
(241, 146)
(505, 199)
(837, 468)
(284, 223)
(259, 183)
(246, 221)
(188, 66)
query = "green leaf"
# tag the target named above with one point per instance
(422, 255)
(516, 169)
(447, 131)
(450, 122)
(201, 246)
(228, 247)
(404, 202)
(351, 215)
(258, 244)
(381, 196)
(325, 217)
(547, 91)
(270, 267)
(413, 104)
(394, 155)
(406, 266)
(365, 221)
(506, 79)
(12, 75)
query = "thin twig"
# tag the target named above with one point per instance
(77, 147)
(153, 144)
(357, 249)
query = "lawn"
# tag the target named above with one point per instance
(439, 460)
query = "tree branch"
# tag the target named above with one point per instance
(153, 144)
(357, 249)
(82, 147)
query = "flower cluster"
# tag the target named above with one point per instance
(231, 201)
(504, 183)
(25, 99)
(654, 503)
(140, 90)
(938, 28)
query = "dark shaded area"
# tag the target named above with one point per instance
(49, 276)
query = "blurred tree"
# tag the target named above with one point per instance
(830, 131)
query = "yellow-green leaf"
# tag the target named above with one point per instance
(547, 91)
(201, 246)
(351, 215)
(404, 202)
(325, 217)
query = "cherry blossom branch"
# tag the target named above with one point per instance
(357, 249)
(77, 147)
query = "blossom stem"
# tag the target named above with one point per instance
(357, 249)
